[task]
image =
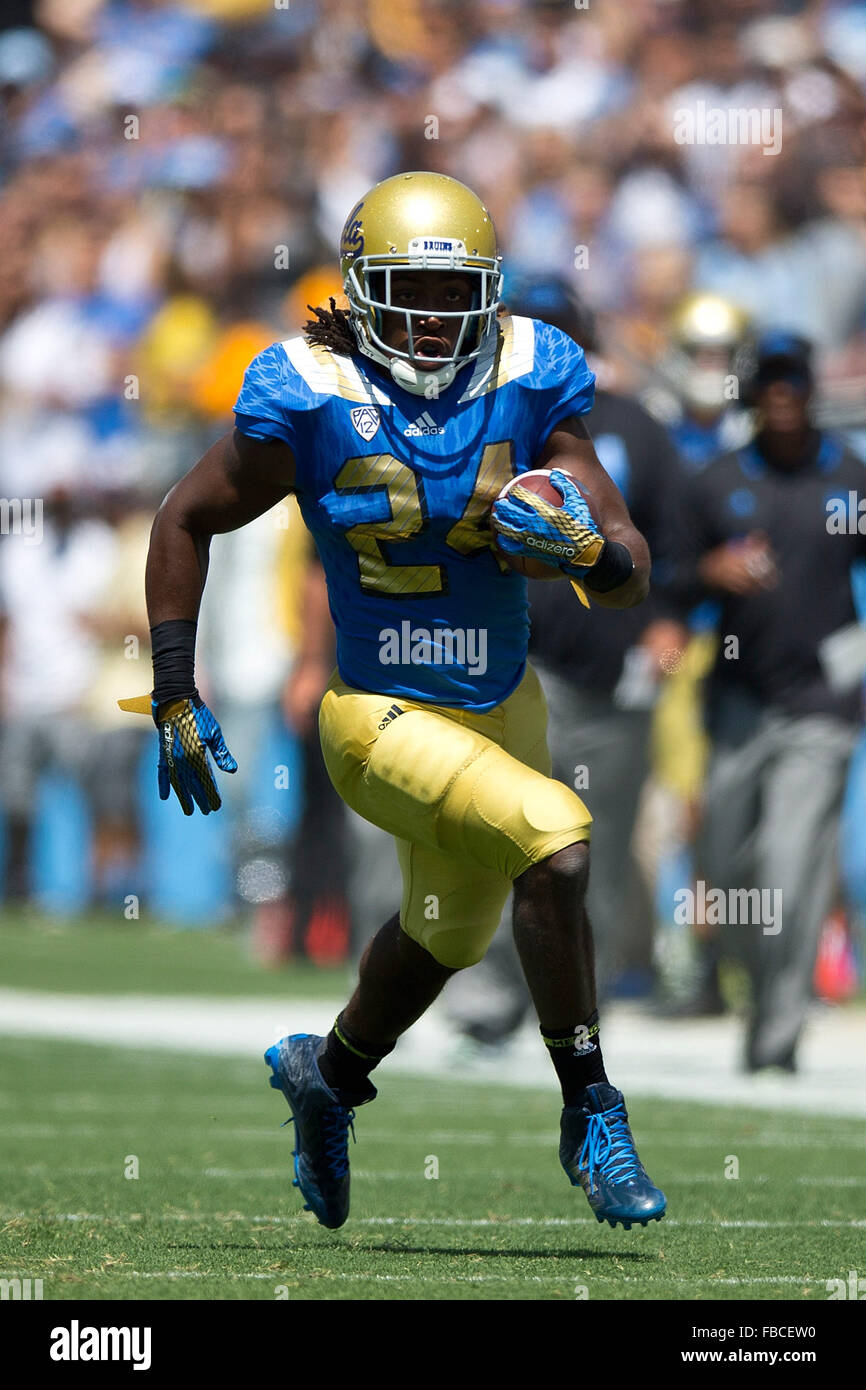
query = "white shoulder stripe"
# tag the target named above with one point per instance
(318, 370)
(330, 375)
(496, 364)
(523, 349)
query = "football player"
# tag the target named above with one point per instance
(710, 350)
(397, 421)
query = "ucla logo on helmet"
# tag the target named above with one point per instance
(352, 240)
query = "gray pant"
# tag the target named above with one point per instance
(103, 762)
(588, 730)
(771, 822)
(585, 731)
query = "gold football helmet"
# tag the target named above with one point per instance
(707, 333)
(419, 221)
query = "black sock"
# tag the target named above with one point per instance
(346, 1061)
(576, 1055)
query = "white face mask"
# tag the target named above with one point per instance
(473, 324)
(704, 388)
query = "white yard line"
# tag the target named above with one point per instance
(563, 1278)
(454, 1222)
(33, 1170)
(264, 1133)
(646, 1056)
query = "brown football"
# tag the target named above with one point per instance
(538, 480)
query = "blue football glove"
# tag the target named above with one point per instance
(187, 729)
(565, 537)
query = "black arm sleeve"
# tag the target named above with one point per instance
(173, 645)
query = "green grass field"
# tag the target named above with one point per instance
(111, 956)
(212, 1214)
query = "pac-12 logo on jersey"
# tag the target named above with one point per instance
(365, 418)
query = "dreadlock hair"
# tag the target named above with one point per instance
(331, 328)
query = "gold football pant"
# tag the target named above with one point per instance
(468, 798)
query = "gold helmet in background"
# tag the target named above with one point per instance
(419, 221)
(707, 333)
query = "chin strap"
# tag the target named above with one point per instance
(418, 382)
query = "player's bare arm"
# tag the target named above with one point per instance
(570, 447)
(237, 480)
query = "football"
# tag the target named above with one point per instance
(538, 480)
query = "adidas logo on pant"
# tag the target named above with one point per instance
(391, 715)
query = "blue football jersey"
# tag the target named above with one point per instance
(397, 489)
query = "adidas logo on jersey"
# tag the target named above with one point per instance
(425, 424)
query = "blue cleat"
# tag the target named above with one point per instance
(322, 1122)
(598, 1153)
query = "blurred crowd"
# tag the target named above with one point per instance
(173, 181)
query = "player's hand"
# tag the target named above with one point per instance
(740, 567)
(187, 730)
(566, 537)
